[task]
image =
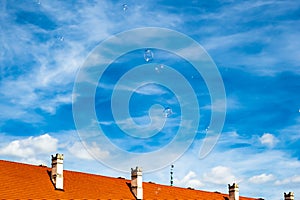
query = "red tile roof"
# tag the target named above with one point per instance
(24, 181)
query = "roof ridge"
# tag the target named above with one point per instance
(27, 164)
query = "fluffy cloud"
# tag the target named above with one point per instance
(262, 178)
(189, 180)
(78, 150)
(219, 175)
(30, 147)
(268, 140)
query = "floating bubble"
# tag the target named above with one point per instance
(167, 112)
(148, 55)
(125, 7)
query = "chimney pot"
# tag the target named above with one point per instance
(289, 196)
(137, 182)
(57, 171)
(233, 191)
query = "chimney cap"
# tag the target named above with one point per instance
(234, 185)
(58, 156)
(137, 169)
(289, 194)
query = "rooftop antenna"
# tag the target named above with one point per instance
(171, 173)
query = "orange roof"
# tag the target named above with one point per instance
(24, 181)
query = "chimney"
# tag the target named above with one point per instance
(289, 196)
(57, 171)
(233, 191)
(137, 182)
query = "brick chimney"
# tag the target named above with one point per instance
(57, 171)
(233, 191)
(289, 196)
(137, 182)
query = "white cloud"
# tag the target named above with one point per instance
(30, 147)
(218, 106)
(148, 124)
(43, 88)
(289, 180)
(54, 62)
(189, 180)
(268, 140)
(228, 43)
(231, 103)
(219, 175)
(9, 112)
(291, 133)
(262, 178)
(51, 105)
(33, 160)
(78, 150)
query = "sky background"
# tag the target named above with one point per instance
(255, 45)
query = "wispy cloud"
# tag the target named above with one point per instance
(293, 179)
(262, 178)
(236, 30)
(227, 104)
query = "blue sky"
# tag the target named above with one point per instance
(254, 44)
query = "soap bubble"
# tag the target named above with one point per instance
(148, 55)
(125, 7)
(167, 112)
